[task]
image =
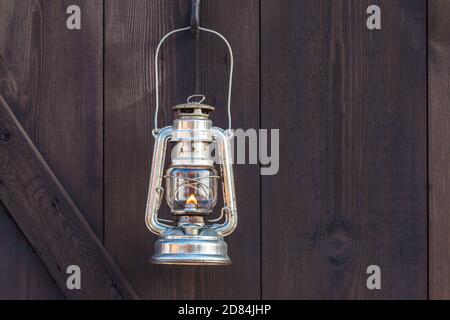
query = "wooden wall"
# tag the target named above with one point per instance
(355, 154)
(52, 78)
(439, 147)
(351, 191)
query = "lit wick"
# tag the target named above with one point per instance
(191, 203)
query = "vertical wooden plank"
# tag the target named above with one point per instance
(439, 147)
(133, 29)
(351, 191)
(52, 78)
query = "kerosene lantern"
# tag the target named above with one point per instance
(192, 182)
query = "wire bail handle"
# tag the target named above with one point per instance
(230, 84)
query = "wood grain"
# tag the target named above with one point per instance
(352, 186)
(52, 79)
(50, 220)
(351, 108)
(439, 147)
(23, 275)
(133, 29)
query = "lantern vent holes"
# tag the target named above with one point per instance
(193, 110)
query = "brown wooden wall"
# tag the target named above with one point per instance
(52, 78)
(363, 118)
(351, 191)
(439, 147)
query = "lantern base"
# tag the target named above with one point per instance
(178, 247)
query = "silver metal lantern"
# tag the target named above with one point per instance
(192, 182)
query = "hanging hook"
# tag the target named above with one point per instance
(195, 17)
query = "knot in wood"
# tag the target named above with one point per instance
(5, 135)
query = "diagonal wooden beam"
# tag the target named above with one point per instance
(50, 220)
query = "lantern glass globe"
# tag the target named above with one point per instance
(191, 190)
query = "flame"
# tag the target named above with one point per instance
(192, 200)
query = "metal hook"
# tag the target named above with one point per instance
(195, 17)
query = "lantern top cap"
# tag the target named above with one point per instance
(189, 106)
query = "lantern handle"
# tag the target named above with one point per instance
(230, 84)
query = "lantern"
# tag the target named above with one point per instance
(191, 182)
